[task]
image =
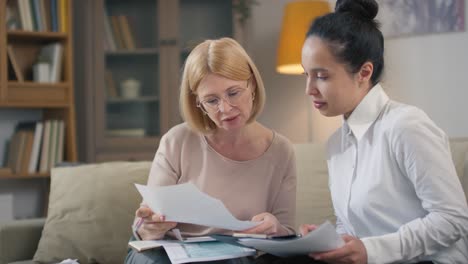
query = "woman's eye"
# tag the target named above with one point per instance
(233, 93)
(213, 101)
(322, 77)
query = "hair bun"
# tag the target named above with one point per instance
(365, 8)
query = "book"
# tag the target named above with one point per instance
(117, 32)
(62, 11)
(44, 15)
(14, 64)
(53, 54)
(36, 15)
(34, 160)
(13, 20)
(54, 16)
(126, 33)
(60, 141)
(111, 89)
(25, 16)
(13, 148)
(28, 145)
(109, 35)
(20, 152)
(53, 143)
(44, 159)
(126, 132)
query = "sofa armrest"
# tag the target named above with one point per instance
(19, 239)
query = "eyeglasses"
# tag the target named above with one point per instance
(212, 103)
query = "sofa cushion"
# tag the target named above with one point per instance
(91, 209)
(314, 204)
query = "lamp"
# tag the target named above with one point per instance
(297, 18)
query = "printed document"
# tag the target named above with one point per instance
(204, 251)
(324, 238)
(185, 203)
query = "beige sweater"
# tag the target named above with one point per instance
(247, 188)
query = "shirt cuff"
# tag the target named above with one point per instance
(135, 228)
(383, 249)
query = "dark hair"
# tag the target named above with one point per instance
(353, 35)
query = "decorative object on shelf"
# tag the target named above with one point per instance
(41, 70)
(243, 8)
(130, 88)
(413, 17)
(297, 18)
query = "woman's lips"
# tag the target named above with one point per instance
(319, 104)
(229, 119)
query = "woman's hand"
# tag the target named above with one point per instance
(352, 252)
(305, 229)
(154, 225)
(270, 225)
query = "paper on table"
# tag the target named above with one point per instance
(142, 245)
(206, 251)
(324, 238)
(184, 203)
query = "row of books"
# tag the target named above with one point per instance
(37, 15)
(118, 33)
(36, 147)
(51, 54)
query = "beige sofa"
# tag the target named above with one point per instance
(91, 208)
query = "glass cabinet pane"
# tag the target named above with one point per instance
(131, 68)
(204, 19)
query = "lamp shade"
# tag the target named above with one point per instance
(297, 18)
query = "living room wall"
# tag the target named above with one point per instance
(428, 71)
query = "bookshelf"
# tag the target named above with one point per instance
(146, 41)
(42, 35)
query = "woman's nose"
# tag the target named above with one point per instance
(224, 106)
(311, 89)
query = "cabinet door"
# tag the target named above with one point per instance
(131, 69)
(184, 24)
(129, 91)
(140, 47)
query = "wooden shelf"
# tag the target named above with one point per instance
(136, 52)
(20, 50)
(37, 95)
(15, 35)
(143, 99)
(22, 176)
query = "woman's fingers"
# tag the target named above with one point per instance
(306, 228)
(143, 212)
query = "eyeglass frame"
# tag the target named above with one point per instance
(224, 97)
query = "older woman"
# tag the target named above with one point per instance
(222, 149)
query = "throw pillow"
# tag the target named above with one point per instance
(91, 209)
(314, 204)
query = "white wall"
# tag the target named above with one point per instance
(429, 71)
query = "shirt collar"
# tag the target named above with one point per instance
(367, 111)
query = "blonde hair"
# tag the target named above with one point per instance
(224, 57)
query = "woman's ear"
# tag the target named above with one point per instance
(365, 73)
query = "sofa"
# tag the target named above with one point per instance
(91, 208)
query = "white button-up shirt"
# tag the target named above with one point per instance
(394, 185)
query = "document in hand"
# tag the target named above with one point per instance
(183, 252)
(184, 203)
(323, 238)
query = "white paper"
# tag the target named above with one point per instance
(69, 261)
(324, 238)
(207, 251)
(142, 245)
(184, 203)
